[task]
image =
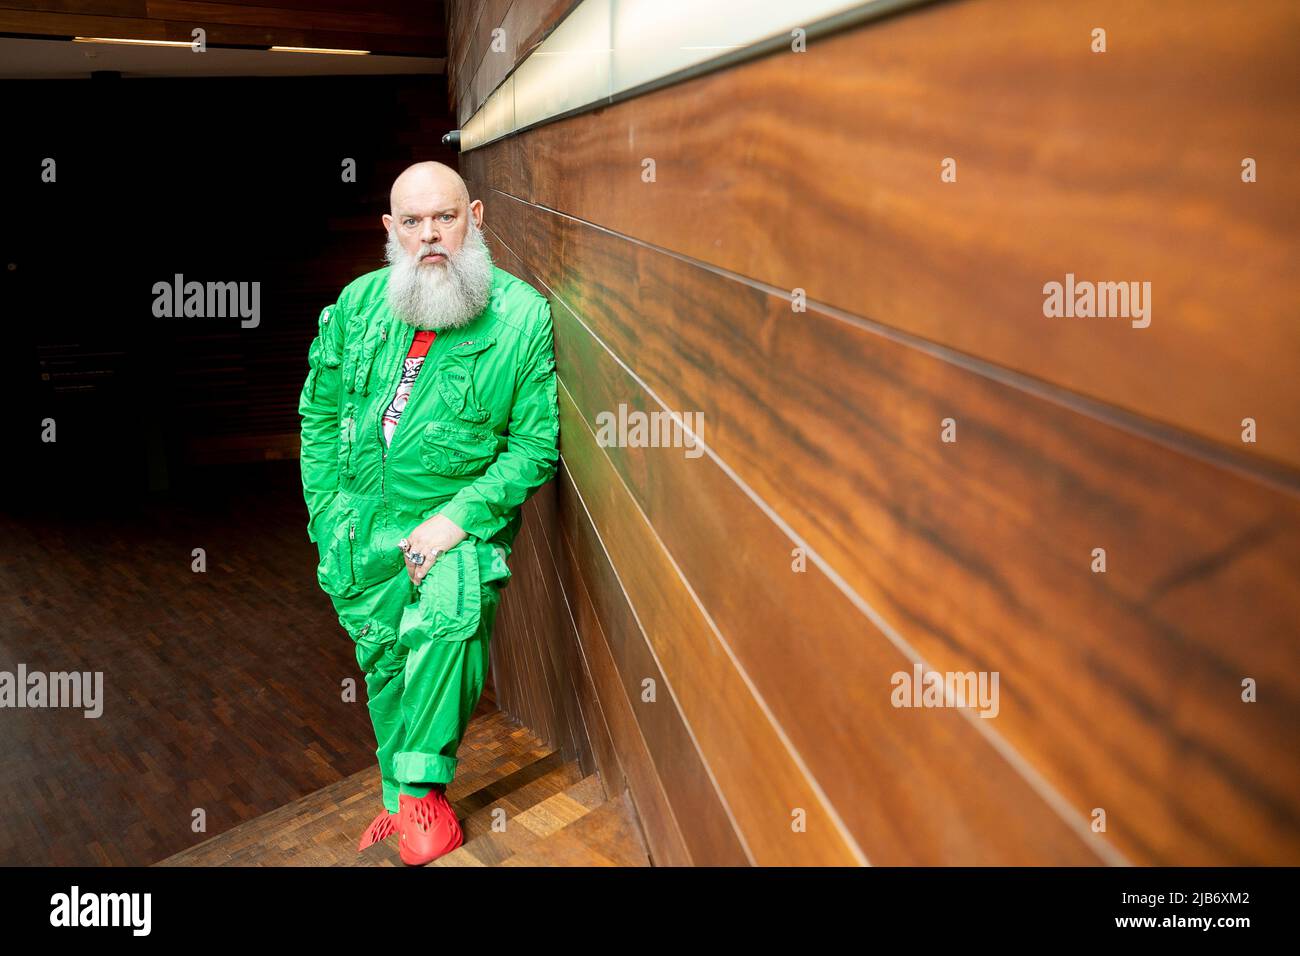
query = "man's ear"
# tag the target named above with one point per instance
(387, 221)
(476, 210)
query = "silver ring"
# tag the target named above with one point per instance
(404, 545)
(416, 557)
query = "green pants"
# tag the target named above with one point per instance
(423, 651)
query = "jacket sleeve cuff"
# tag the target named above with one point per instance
(469, 512)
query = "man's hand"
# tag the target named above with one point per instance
(431, 538)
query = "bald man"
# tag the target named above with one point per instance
(428, 417)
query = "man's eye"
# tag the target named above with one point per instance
(447, 215)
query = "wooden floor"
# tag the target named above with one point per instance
(222, 689)
(518, 802)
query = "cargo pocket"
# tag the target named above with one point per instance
(359, 357)
(449, 604)
(374, 642)
(336, 572)
(323, 353)
(453, 451)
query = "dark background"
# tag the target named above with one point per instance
(222, 179)
(175, 435)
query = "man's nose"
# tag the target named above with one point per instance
(429, 232)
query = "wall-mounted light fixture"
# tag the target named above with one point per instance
(604, 51)
(184, 43)
(312, 49)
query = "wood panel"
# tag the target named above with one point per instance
(374, 20)
(948, 797)
(923, 816)
(546, 552)
(681, 811)
(462, 22)
(533, 642)
(410, 11)
(762, 780)
(472, 23)
(522, 28)
(106, 8)
(222, 690)
(474, 67)
(391, 26)
(1007, 519)
(1112, 167)
(1119, 690)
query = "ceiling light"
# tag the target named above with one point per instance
(184, 43)
(312, 49)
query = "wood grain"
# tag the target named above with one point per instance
(475, 68)
(373, 19)
(837, 428)
(1119, 690)
(645, 743)
(821, 171)
(949, 799)
(235, 24)
(222, 690)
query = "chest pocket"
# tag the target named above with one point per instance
(452, 450)
(455, 377)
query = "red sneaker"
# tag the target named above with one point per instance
(427, 828)
(381, 827)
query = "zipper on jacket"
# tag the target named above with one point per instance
(431, 359)
(352, 549)
(394, 380)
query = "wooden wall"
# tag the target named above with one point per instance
(1119, 691)
(403, 27)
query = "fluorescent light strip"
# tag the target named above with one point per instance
(312, 49)
(188, 43)
(608, 49)
(184, 43)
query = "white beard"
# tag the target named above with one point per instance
(443, 295)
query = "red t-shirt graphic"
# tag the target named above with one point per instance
(410, 368)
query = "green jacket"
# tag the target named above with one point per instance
(478, 434)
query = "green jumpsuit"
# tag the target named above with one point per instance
(478, 435)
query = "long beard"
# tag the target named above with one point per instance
(442, 295)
